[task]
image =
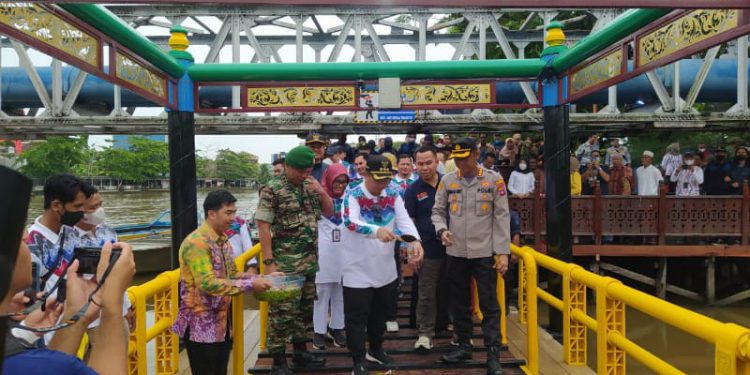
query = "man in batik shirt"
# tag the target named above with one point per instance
(208, 279)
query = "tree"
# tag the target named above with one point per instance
(232, 165)
(144, 159)
(265, 174)
(57, 155)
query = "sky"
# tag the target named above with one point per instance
(261, 145)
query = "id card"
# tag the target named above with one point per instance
(336, 235)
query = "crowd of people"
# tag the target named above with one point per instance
(346, 218)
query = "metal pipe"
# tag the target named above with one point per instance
(624, 25)
(366, 70)
(114, 27)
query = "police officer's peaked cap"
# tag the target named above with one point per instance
(316, 138)
(379, 167)
(463, 147)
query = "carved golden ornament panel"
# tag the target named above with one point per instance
(689, 29)
(138, 75)
(46, 27)
(473, 93)
(606, 67)
(320, 96)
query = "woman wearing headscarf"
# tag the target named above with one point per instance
(521, 183)
(509, 151)
(328, 279)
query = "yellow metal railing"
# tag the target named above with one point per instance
(164, 292)
(732, 342)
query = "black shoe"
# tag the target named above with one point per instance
(379, 356)
(307, 359)
(319, 341)
(493, 362)
(279, 366)
(338, 337)
(360, 368)
(460, 354)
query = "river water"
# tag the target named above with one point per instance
(689, 354)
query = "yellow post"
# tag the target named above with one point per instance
(574, 332)
(140, 332)
(174, 306)
(503, 309)
(132, 340)
(610, 316)
(522, 308)
(532, 326)
(238, 334)
(166, 341)
(732, 354)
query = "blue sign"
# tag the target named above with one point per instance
(404, 116)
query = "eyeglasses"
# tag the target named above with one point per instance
(340, 182)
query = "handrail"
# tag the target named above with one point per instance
(732, 342)
(164, 290)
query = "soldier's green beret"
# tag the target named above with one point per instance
(300, 157)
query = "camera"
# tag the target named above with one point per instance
(88, 258)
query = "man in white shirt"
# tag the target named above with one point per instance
(647, 176)
(373, 210)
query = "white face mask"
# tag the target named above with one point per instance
(689, 162)
(522, 166)
(95, 218)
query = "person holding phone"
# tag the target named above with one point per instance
(688, 177)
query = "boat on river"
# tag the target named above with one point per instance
(159, 228)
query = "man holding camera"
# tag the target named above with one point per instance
(15, 265)
(208, 279)
(595, 174)
(290, 206)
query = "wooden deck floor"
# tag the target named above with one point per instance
(400, 347)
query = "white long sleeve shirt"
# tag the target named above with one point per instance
(521, 183)
(688, 182)
(369, 262)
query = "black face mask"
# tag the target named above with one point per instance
(71, 218)
(740, 158)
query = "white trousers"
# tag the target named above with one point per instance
(330, 295)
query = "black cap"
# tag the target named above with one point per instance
(316, 138)
(379, 167)
(463, 147)
(689, 153)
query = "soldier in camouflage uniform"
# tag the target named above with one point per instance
(290, 207)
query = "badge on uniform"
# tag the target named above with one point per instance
(422, 196)
(336, 235)
(500, 185)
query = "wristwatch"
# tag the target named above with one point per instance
(269, 262)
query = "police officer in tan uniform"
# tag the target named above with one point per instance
(475, 203)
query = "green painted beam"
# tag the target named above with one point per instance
(624, 25)
(529, 68)
(111, 25)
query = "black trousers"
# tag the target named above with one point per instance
(364, 316)
(208, 358)
(392, 312)
(460, 271)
